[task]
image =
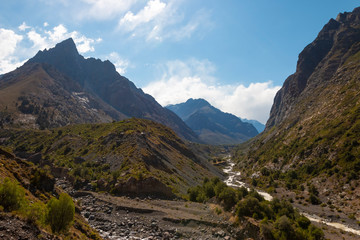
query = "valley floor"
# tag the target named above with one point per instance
(134, 218)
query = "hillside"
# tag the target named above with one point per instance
(100, 80)
(134, 156)
(22, 224)
(212, 125)
(311, 147)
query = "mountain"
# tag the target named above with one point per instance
(91, 89)
(311, 140)
(135, 156)
(258, 125)
(38, 96)
(212, 125)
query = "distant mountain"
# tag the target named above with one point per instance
(83, 90)
(312, 135)
(212, 125)
(258, 125)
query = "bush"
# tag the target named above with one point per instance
(303, 222)
(228, 198)
(314, 199)
(12, 195)
(35, 213)
(248, 207)
(60, 213)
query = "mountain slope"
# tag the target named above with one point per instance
(212, 125)
(101, 80)
(134, 156)
(312, 136)
(39, 96)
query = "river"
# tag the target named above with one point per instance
(233, 180)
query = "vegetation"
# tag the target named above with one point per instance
(12, 195)
(105, 155)
(60, 213)
(278, 219)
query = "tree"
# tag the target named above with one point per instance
(60, 213)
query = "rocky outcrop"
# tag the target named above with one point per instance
(144, 187)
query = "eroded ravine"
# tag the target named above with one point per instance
(233, 180)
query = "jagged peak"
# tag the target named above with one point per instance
(347, 17)
(68, 45)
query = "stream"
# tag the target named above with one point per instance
(233, 180)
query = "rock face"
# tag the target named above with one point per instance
(314, 125)
(212, 125)
(317, 64)
(86, 80)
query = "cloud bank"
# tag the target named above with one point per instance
(195, 79)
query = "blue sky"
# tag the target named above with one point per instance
(234, 53)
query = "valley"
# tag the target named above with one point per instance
(86, 154)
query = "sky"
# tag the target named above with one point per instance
(236, 54)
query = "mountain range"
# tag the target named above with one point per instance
(58, 87)
(212, 125)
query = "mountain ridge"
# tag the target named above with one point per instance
(100, 80)
(212, 125)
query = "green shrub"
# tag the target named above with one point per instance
(303, 222)
(314, 199)
(12, 195)
(60, 213)
(228, 198)
(35, 213)
(248, 207)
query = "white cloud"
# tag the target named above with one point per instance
(151, 20)
(105, 9)
(9, 41)
(152, 9)
(121, 64)
(23, 27)
(46, 24)
(194, 79)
